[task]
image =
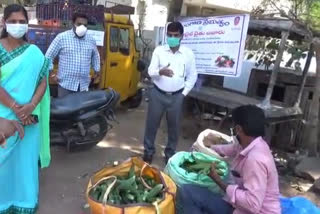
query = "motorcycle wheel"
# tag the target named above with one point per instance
(91, 138)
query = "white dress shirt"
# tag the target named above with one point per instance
(183, 65)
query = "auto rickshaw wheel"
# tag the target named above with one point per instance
(134, 101)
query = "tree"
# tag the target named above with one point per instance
(305, 14)
(141, 8)
(264, 51)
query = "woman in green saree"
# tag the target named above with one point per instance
(24, 97)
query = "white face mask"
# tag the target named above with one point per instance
(81, 30)
(17, 30)
(235, 140)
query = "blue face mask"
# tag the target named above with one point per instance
(173, 42)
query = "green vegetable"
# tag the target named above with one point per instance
(125, 184)
(194, 165)
(128, 190)
(131, 172)
(130, 197)
(155, 191)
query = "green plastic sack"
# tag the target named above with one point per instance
(180, 176)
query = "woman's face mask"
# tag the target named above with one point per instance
(17, 31)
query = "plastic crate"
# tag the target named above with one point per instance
(66, 24)
(64, 11)
(37, 36)
(42, 36)
(95, 13)
(52, 36)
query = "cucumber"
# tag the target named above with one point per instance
(154, 191)
(131, 172)
(129, 190)
(126, 184)
(130, 197)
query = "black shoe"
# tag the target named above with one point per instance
(147, 158)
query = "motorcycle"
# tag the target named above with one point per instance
(81, 120)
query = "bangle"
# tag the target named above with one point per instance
(13, 104)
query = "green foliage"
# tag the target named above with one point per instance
(264, 51)
(315, 14)
(306, 12)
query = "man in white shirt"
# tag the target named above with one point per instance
(173, 73)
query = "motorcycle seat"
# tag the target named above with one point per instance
(78, 103)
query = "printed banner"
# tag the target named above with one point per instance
(217, 42)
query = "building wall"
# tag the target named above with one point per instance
(156, 11)
(243, 5)
(6, 2)
(154, 14)
(217, 7)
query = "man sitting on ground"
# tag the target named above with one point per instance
(255, 189)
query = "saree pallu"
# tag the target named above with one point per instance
(21, 72)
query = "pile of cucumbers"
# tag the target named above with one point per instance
(198, 166)
(131, 189)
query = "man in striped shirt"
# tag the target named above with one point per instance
(77, 52)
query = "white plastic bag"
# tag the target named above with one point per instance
(200, 147)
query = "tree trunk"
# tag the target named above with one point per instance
(312, 139)
(305, 75)
(275, 70)
(290, 61)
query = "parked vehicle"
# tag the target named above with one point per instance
(120, 59)
(81, 120)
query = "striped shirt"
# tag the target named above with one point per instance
(76, 56)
